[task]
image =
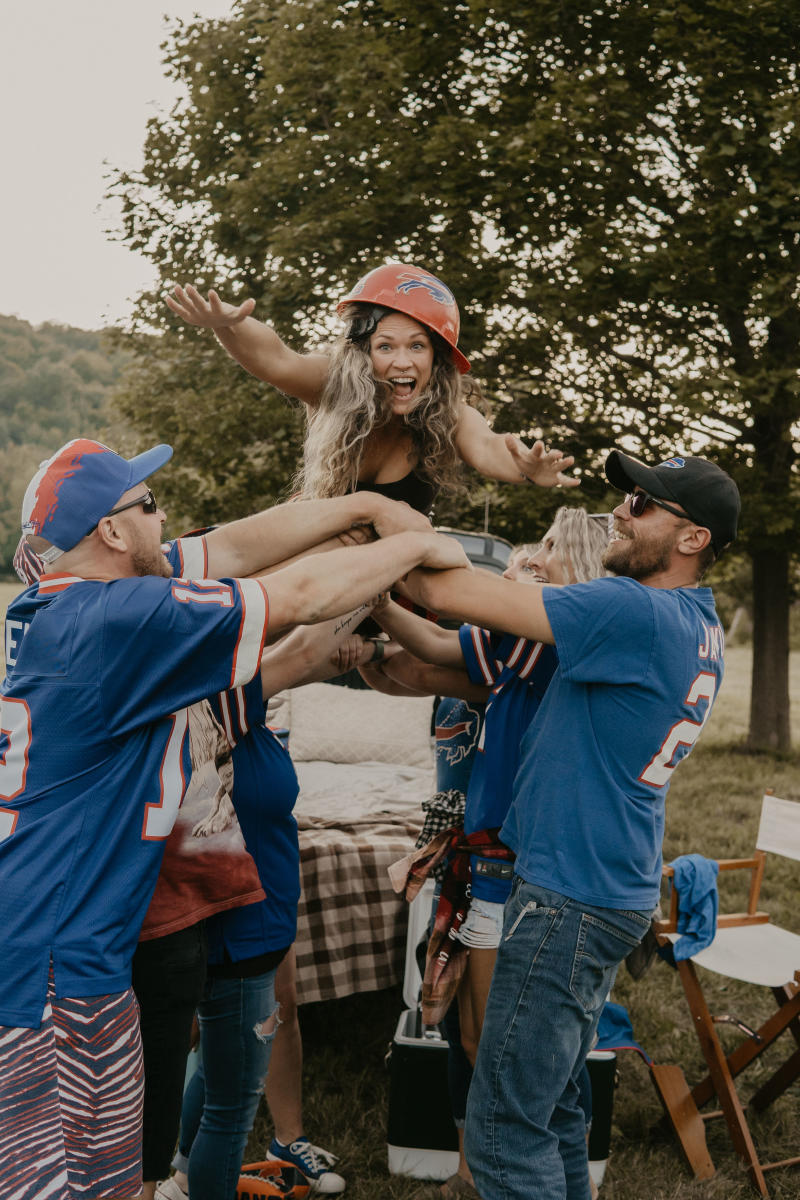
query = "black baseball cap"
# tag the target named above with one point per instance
(707, 495)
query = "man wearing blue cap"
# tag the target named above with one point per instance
(640, 662)
(104, 656)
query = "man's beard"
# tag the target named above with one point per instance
(146, 561)
(638, 559)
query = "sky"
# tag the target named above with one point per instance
(78, 81)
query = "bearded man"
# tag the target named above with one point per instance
(640, 662)
(105, 654)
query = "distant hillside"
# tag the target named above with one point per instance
(55, 382)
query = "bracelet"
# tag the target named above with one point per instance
(378, 649)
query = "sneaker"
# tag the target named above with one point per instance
(313, 1161)
(168, 1189)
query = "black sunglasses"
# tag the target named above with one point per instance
(638, 502)
(148, 502)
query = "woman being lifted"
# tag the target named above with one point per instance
(386, 407)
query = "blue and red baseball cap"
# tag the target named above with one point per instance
(72, 491)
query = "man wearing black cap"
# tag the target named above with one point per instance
(104, 656)
(640, 661)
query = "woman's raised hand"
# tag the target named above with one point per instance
(539, 465)
(213, 313)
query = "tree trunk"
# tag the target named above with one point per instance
(769, 697)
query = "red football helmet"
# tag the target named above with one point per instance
(271, 1179)
(417, 293)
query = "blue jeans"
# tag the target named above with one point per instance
(237, 1024)
(526, 1130)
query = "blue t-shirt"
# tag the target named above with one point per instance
(94, 763)
(264, 793)
(638, 671)
(519, 671)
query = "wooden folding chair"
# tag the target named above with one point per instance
(748, 947)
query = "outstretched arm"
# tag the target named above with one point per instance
(485, 599)
(255, 544)
(321, 586)
(314, 652)
(401, 674)
(504, 456)
(254, 345)
(424, 639)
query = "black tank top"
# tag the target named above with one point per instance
(415, 489)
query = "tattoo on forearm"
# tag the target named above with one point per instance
(346, 622)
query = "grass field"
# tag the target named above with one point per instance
(713, 808)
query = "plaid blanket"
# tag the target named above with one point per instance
(351, 927)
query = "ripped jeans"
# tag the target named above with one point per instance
(237, 1024)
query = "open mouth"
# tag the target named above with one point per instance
(403, 386)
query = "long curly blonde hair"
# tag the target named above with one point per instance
(354, 403)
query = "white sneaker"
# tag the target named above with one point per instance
(169, 1189)
(313, 1161)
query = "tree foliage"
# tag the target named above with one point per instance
(608, 187)
(55, 382)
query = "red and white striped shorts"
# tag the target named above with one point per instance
(71, 1102)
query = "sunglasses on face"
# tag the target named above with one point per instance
(148, 502)
(638, 502)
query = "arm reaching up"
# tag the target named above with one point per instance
(505, 457)
(254, 345)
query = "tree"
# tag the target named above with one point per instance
(609, 187)
(54, 385)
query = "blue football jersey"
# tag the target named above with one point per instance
(94, 762)
(518, 671)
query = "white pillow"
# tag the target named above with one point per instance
(347, 725)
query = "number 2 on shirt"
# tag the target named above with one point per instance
(683, 733)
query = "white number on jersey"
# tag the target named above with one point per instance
(15, 730)
(683, 733)
(203, 591)
(15, 741)
(159, 818)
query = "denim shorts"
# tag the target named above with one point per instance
(483, 927)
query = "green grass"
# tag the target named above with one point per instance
(712, 808)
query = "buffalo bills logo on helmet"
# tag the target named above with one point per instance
(433, 286)
(674, 462)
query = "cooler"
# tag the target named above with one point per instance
(602, 1066)
(422, 1139)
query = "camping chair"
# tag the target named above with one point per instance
(747, 947)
